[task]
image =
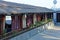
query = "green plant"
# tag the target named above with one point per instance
(4, 31)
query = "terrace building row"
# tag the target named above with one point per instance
(22, 16)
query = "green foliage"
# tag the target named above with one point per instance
(4, 31)
(40, 23)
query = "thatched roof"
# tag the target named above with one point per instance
(14, 8)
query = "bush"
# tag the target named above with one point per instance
(40, 23)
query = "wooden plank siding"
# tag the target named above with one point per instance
(2, 18)
(38, 16)
(16, 22)
(29, 20)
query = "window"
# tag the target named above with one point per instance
(8, 19)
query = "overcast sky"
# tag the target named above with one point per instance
(42, 3)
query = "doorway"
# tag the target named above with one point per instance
(8, 23)
(58, 17)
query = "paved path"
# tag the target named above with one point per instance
(50, 34)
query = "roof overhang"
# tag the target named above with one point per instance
(14, 8)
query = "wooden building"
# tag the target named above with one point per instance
(22, 15)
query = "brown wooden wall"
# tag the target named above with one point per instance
(17, 22)
(29, 20)
(2, 17)
(38, 16)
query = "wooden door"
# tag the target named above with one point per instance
(58, 17)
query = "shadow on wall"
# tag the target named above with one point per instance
(1, 0)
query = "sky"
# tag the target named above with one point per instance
(41, 3)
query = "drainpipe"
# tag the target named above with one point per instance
(4, 24)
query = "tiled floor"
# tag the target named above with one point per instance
(50, 34)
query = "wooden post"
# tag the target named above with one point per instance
(13, 22)
(45, 17)
(24, 20)
(34, 18)
(20, 22)
(51, 15)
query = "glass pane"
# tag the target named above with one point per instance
(8, 19)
